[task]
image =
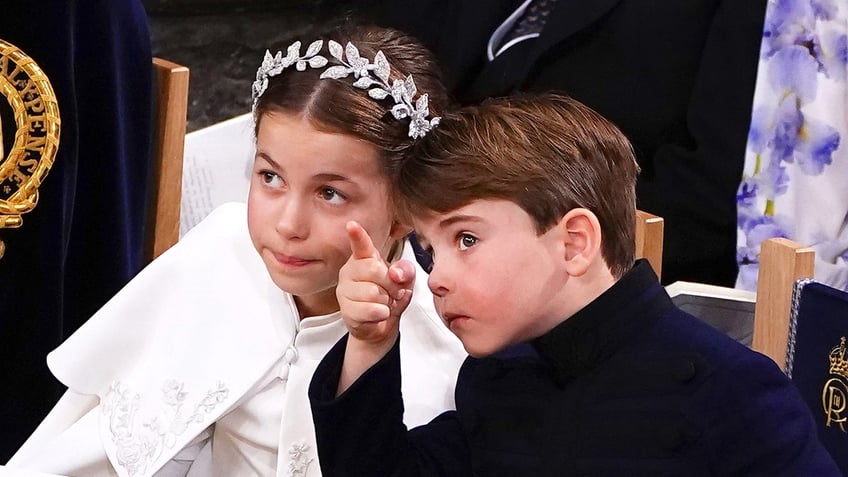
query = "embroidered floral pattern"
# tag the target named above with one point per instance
(138, 446)
(804, 44)
(300, 460)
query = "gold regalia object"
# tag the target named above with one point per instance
(36, 115)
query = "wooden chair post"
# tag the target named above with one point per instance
(649, 239)
(163, 218)
(782, 263)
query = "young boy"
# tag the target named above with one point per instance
(580, 364)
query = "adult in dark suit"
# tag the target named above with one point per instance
(83, 241)
(676, 76)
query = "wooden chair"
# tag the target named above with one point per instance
(782, 263)
(759, 320)
(171, 105)
(649, 239)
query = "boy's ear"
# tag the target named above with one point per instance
(582, 239)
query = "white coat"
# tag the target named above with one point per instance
(186, 341)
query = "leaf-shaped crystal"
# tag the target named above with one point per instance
(317, 61)
(398, 88)
(335, 72)
(364, 83)
(267, 60)
(410, 89)
(381, 67)
(378, 93)
(335, 49)
(421, 104)
(313, 48)
(293, 51)
(352, 53)
(301, 65)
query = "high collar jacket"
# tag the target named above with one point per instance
(629, 385)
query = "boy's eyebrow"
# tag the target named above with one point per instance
(447, 222)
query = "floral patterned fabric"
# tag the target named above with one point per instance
(795, 181)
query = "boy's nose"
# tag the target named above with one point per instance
(437, 281)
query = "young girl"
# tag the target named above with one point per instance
(200, 366)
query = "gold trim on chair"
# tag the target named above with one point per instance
(36, 112)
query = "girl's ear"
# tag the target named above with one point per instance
(582, 239)
(399, 230)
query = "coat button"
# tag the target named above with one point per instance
(684, 371)
(290, 355)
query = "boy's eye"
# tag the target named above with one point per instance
(466, 241)
(331, 195)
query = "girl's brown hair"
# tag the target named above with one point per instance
(547, 153)
(337, 106)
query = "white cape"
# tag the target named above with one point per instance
(188, 339)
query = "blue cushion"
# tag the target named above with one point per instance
(817, 361)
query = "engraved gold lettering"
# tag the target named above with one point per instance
(30, 165)
(18, 176)
(29, 91)
(35, 143)
(36, 124)
(834, 403)
(4, 69)
(36, 105)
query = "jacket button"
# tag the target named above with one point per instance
(684, 371)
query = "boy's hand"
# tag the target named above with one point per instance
(372, 295)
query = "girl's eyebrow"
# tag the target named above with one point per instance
(331, 177)
(324, 176)
(267, 158)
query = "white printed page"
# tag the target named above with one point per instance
(216, 168)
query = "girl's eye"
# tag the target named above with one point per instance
(271, 179)
(331, 195)
(466, 241)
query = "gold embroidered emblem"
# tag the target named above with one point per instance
(835, 390)
(36, 115)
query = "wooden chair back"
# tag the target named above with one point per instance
(649, 239)
(782, 263)
(171, 106)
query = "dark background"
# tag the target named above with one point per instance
(222, 43)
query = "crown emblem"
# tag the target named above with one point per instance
(838, 363)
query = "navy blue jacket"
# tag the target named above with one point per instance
(630, 385)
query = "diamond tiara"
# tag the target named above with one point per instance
(373, 77)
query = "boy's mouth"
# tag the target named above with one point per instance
(451, 318)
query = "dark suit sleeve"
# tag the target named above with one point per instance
(361, 432)
(766, 428)
(693, 185)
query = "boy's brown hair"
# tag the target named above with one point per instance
(546, 153)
